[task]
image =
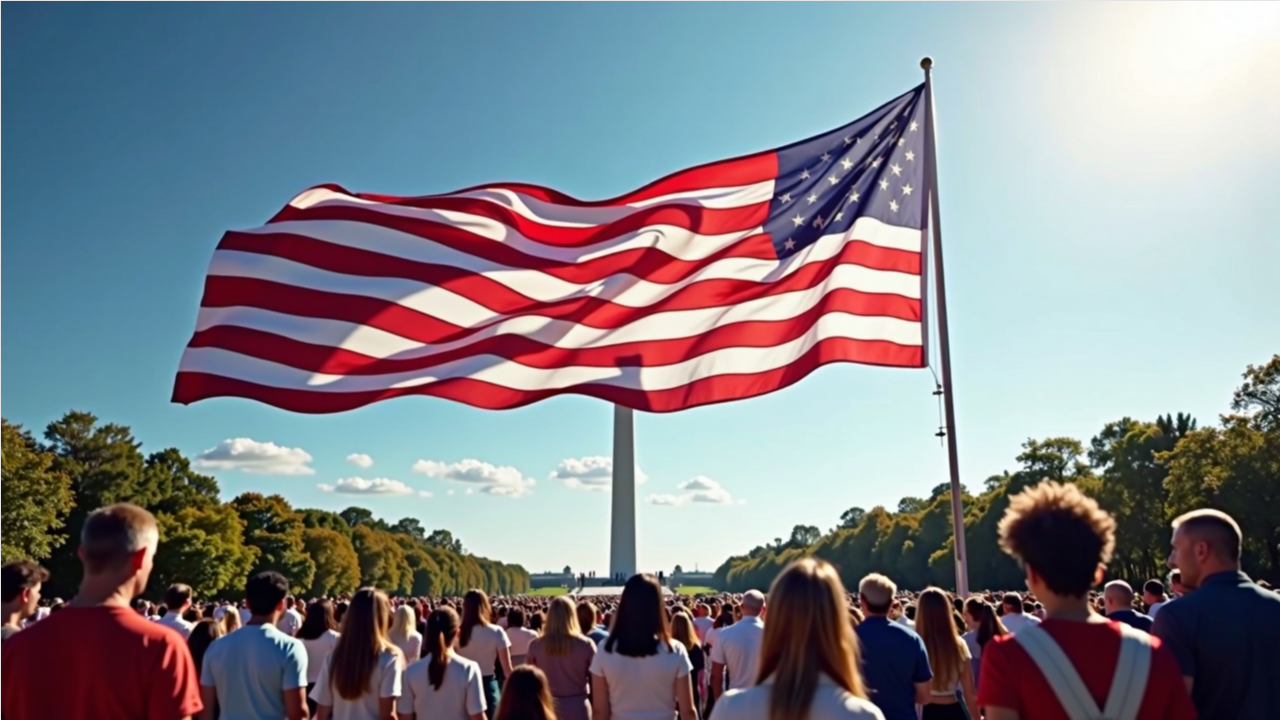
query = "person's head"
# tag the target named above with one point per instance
(875, 594)
(808, 635)
(561, 626)
(641, 620)
(230, 621)
(318, 621)
(701, 610)
(1153, 592)
(362, 641)
(682, 630)
(405, 623)
(1205, 542)
(475, 611)
(587, 614)
(1117, 595)
(20, 587)
(118, 547)
(535, 621)
(1060, 536)
(935, 624)
(1175, 584)
(203, 633)
(981, 616)
(442, 631)
(265, 593)
(515, 618)
(526, 695)
(177, 598)
(752, 603)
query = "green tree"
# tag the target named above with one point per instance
(37, 498)
(802, 536)
(382, 561)
(204, 548)
(444, 540)
(410, 527)
(337, 566)
(326, 519)
(852, 518)
(273, 527)
(105, 467)
(169, 476)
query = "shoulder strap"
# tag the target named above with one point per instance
(1133, 666)
(1061, 675)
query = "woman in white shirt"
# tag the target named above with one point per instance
(808, 655)
(404, 635)
(519, 635)
(949, 659)
(319, 634)
(360, 680)
(485, 644)
(641, 673)
(442, 685)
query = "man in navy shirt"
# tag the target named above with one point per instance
(1117, 597)
(895, 663)
(1225, 631)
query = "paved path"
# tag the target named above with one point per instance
(595, 591)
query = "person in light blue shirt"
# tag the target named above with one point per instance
(257, 672)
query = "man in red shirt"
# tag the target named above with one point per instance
(1063, 539)
(97, 659)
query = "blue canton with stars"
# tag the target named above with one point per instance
(872, 167)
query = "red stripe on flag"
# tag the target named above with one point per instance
(192, 387)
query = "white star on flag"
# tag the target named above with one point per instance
(911, 155)
(798, 219)
(833, 180)
(826, 157)
(805, 174)
(906, 189)
(876, 163)
(893, 205)
(812, 198)
(784, 198)
(789, 244)
(914, 124)
(896, 168)
(884, 184)
(847, 163)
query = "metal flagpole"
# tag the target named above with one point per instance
(944, 341)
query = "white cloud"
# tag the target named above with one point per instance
(360, 460)
(482, 476)
(450, 492)
(374, 486)
(426, 493)
(666, 500)
(698, 490)
(256, 458)
(594, 472)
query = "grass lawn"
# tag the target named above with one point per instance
(548, 592)
(695, 590)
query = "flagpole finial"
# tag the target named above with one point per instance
(926, 63)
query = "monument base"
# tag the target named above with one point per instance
(605, 591)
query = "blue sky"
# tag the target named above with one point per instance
(1103, 174)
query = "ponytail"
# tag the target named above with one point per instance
(442, 625)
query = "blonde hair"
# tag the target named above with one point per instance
(230, 620)
(682, 630)
(561, 626)
(936, 626)
(404, 623)
(363, 639)
(808, 634)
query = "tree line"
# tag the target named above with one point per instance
(1144, 472)
(51, 485)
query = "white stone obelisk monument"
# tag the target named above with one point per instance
(622, 540)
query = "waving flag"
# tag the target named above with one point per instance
(722, 282)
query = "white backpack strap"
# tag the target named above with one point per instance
(1132, 668)
(1061, 675)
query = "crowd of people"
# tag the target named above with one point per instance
(1207, 645)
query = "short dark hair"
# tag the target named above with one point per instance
(177, 595)
(113, 533)
(264, 592)
(1012, 599)
(1153, 587)
(1061, 533)
(515, 618)
(18, 576)
(1175, 577)
(1216, 528)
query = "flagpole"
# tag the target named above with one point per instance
(944, 340)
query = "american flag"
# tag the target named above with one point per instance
(721, 282)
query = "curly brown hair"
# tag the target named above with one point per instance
(1061, 533)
